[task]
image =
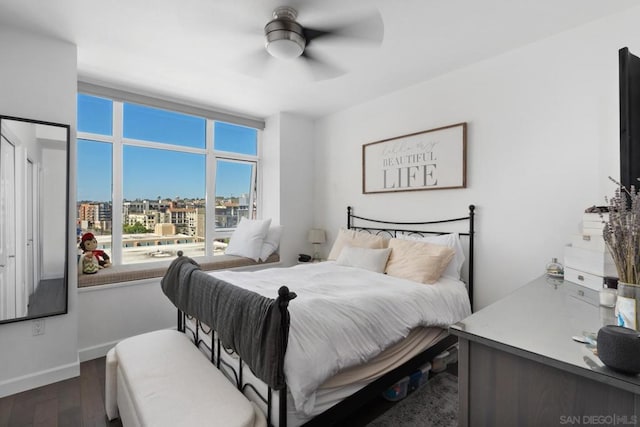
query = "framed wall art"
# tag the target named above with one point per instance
(434, 159)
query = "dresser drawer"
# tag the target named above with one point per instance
(594, 262)
(582, 278)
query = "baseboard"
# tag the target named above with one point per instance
(100, 350)
(95, 351)
(39, 379)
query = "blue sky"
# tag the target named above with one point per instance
(149, 173)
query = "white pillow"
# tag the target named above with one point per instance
(248, 238)
(271, 242)
(451, 240)
(368, 259)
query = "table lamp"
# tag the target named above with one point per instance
(316, 236)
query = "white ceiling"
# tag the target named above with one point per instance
(198, 51)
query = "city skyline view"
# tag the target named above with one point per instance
(151, 172)
(160, 157)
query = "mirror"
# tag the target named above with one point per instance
(34, 166)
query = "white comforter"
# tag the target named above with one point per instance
(344, 316)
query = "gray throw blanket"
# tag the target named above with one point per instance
(255, 327)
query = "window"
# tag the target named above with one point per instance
(145, 175)
(94, 191)
(95, 115)
(153, 124)
(234, 184)
(235, 139)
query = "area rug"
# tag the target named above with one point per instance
(435, 404)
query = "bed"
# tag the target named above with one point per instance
(326, 337)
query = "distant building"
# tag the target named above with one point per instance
(142, 206)
(96, 216)
(164, 229)
(229, 211)
(200, 222)
(187, 216)
(147, 219)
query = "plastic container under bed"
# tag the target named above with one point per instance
(408, 384)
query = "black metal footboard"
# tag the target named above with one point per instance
(210, 344)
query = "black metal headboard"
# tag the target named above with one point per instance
(392, 228)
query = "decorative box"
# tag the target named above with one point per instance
(592, 242)
(597, 263)
(595, 217)
(591, 281)
(592, 231)
(593, 223)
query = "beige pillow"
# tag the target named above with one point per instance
(418, 261)
(357, 239)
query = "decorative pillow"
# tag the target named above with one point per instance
(271, 242)
(418, 261)
(451, 240)
(358, 239)
(368, 259)
(248, 238)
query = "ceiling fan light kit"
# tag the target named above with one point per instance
(285, 37)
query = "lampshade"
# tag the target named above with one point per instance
(316, 235)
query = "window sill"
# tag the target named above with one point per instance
(131, 272)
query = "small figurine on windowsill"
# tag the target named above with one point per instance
(88, 264)
(92, 258)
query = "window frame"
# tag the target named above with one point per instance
(118, 141)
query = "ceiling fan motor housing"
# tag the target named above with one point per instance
(285, 37)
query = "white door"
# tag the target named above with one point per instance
(30, 254)
(7, 230)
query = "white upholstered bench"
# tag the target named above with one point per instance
(161, 379)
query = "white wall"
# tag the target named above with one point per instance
(543, 136)
(38, 80)
(108, 314)
(288, 175)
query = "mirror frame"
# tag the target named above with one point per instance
(65, 278)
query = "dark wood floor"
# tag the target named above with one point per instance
(79, 402)
(76, 402)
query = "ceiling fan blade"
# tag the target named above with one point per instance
(311, 34)
(369, 28)
(255, 64)
(320, 68)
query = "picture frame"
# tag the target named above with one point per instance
(434, 159)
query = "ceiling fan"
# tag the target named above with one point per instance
(286, 39)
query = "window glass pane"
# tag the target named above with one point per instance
(235, 139)
(94, 193)
(95, 115)
(234, 192)
(164, 204)
(153, 124)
